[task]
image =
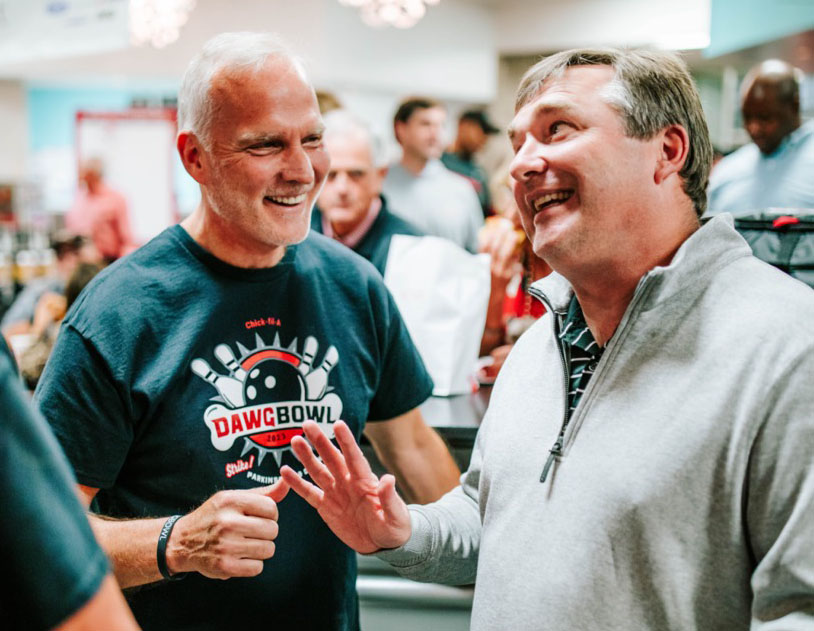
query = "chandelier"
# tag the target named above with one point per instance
(158, 22)
(398, 13)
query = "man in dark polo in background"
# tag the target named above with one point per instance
(184, 370)
(645, 461)
(474, 129)
(350, 207)
(777, 168)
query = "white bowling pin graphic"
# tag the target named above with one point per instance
(317, 380)
(228, 387)
(309, 349)
(226, 357)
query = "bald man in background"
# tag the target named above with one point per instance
(775, 169)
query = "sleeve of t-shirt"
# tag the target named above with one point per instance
(86, 408)
(404, 383)
(52, 562)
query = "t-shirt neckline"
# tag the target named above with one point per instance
(221, 267)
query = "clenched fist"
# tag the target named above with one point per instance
(229, 535)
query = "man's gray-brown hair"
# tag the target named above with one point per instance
(227, 51)
(651, 90)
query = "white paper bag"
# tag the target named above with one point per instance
(442, 292)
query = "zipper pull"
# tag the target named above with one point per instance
(555, 451)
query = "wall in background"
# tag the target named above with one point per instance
(13, 131)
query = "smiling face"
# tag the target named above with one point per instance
(264, 162)
(581, 183)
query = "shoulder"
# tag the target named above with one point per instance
(396, 175)
(326, 259)
(393, 224)
(738, 164)
(806, 132)
(761, 303)
(132, 282)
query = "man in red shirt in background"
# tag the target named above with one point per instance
(100, 213)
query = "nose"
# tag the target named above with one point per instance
(297, 166)
(529, 160)
(340, 182)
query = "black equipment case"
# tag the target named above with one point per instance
(785, 241)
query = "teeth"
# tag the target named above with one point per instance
(289, 201)
(551, 197)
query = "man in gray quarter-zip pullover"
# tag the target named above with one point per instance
(666, 482)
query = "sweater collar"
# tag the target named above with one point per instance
(710, 248)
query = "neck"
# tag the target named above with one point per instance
(413, 163)
(342, 229)
(605, 289)
(219, 238)
(461, 152)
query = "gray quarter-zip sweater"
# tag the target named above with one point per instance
(684, 495)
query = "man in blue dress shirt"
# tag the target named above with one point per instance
(775, 169)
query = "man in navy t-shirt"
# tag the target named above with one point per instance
(56, 573)
(185, 369)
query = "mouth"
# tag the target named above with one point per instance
(551, 199)
(289, 202)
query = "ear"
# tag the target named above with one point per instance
(674, 146)
(192, 155)
(397, 126)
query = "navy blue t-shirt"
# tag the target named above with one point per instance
(51, 562)
(177, 375)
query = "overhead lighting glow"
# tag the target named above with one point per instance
(158, 22)
(398, 13)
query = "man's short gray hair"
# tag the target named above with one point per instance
(227, 51)
(651, 90)
(344, 123)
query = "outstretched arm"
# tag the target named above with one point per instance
(229, 535)
(365, 512)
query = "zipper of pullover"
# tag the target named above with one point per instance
(558, 447)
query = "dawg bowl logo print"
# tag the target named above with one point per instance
(267, 393)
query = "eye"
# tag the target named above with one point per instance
(264, 147)
(314, 140)
(558, 129)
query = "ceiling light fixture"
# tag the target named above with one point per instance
(158, 22)
(398, 13)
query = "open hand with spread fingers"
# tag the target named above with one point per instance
(365, 512)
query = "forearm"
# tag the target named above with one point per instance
(131, 546)
(425, 470)
(493, 330)
(444, 544)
